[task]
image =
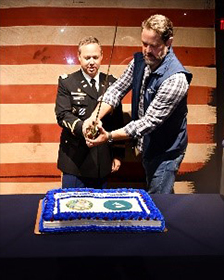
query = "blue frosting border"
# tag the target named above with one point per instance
(47, 213)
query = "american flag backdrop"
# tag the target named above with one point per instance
(38, 42)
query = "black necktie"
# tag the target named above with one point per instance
(93, 82)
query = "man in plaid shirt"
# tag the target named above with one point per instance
(159, 84)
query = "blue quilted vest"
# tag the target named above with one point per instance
(170, 137)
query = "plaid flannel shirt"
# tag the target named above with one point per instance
(168, 96)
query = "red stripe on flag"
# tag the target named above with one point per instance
(102, 16)
(30, 133)
(201, 133)
(28, 170)
(198, 57)
(50, 133)
(187, 167)
(31, 179)
(199, 95)
(53, 54)
(48, 54)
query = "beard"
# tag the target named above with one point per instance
(153, 61)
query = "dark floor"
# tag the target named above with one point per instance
(113, 268)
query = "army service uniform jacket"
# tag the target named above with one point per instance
(75, 102)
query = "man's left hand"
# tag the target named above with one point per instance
(116, 163)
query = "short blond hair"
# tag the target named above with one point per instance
(161, 25)
(88, 40)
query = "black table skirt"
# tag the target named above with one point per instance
(195, 225)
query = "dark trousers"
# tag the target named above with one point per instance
(72, 181)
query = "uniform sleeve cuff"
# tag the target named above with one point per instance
(78, 128)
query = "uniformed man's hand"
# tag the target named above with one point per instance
(90, 128)
(100, 139)
(87, 123)
(116, 163)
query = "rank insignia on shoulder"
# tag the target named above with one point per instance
(64, 76)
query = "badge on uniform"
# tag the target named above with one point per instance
(79, 93)
(82, 111)
(78, 97)
(84, 84)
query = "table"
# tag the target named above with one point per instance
(195, 234)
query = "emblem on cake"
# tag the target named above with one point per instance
(117, 205)
(79, 204)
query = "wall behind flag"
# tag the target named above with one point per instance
(38, 42)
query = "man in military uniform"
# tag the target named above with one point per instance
(76, 99)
